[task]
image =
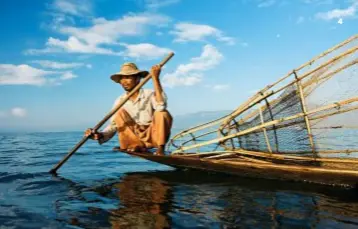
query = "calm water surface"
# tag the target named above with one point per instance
(98, 188)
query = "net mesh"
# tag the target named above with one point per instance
(310, 112)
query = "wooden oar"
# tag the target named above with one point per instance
(108, 116)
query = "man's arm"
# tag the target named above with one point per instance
(108, 132)
(111, 129)
(103, 136)
(158, 90)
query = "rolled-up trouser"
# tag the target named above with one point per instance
(131, 135)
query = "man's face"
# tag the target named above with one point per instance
(129, 82)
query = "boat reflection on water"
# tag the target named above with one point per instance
(179, 199)
(145, 202)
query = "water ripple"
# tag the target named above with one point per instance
(6, 178)
(98, 188)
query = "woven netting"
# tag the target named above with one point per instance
(312, 111)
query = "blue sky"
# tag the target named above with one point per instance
(56, 56)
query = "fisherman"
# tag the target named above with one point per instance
(143, 122)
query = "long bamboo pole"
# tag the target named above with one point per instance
(280, 126)
(242, 157)
(345, 151)
(304, 111)
(273, 156)
(208, 124)
(284, 157)
(214, 122)
(275, 122)
(109, 115)
(282, 154)
(267, 105)
(269, 108)
(265, 96)
(197, 128)
(328, 76)
(233, 114)
(310, 62)
(265, 133)
(292, 168)
(220, 155)
(328, 51)
(273, 92)
(312, 118)
(237, 128)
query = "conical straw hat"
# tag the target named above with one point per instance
(128, 69)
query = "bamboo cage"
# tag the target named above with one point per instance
(308, 116)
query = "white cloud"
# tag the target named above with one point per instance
(89, 66)
(18, 112)
(102, 32)
(192, 73)
(108, 31)
(339, 13)
(73, 7)
(72, 45)
(68, 76)
(266, 3)
(196, 32)
(27, 75)
(144, 51)
(65, 11)
(278, 35)
(58, 20)
(22, 74)
(155, 4)
(57, 65)
(220, 87)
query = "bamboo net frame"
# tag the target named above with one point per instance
(298, 111)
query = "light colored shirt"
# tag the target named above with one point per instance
(141, 110)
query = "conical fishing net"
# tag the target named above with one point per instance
(310, 112)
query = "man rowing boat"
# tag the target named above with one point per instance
(143, 122)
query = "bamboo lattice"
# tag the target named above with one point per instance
(310, 113)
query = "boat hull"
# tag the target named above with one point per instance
(311, 174)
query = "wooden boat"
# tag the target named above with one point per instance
(250, 167)
(302, 127)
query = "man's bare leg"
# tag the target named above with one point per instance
(161, 127)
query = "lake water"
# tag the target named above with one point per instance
(99, 188)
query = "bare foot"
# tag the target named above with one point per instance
(138, 149)
(117, 148)
(160, 151)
